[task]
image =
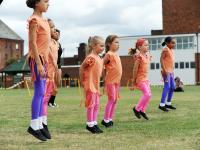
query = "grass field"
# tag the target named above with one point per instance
(176, 130)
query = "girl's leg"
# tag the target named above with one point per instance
(148, 90)
(96, 108)
(165, 89)
(171, 90)
(144, 98)
(90, 100)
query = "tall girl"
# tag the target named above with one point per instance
(90, 73)
(167, 64)
(140, 76)
(39, 40)
(113, 76)
(50, 84)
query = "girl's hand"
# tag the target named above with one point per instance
(164, 73)
(41, 70)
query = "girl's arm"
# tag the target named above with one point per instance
(135, 71)
(33, 45)
(81, 70)
(163, 55)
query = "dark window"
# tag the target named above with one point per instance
(187, 65)
(192, 64)
(176, 65)
(157, 66)
(182, 65)
(152, 66)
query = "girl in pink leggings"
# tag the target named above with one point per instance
(140, 73)
(90, 73)
(113, 76)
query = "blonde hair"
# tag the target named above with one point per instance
(92, 41)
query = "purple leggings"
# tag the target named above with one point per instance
(39, 89)
(168, 89)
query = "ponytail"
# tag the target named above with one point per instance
(132, 51)
(167, 40)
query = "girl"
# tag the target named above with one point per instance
(113, 76)
(140, 80)
(90, 73)
(50, 84)
(167, 64)
(51, 102)
(39, 40)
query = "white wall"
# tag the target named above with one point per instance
(187, 75)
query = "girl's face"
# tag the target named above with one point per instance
(145, 47)
(99, 47)
(171, 44)
(114, 46)
(42, 5)
(52, 29)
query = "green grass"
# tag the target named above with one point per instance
(176, 130)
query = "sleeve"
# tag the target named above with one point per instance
(106, 58)
(137, 57)
(89, 61)
(33, 22)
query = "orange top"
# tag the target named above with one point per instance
(92, 73)
(168, 60)
(142, 74)
(52, 60)
(43, 36)
(113, 68)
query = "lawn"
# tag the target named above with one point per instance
(175, 130)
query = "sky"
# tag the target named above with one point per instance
(79, 19)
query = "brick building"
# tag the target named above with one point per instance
(11, 45)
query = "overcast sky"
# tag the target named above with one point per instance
(79, 19)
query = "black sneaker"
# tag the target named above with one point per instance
(45, 131)
(91, 129)
(163, 108)
(111, 123)
(144, 115)
(170, 107)
(98, 129)
(137, 113)
(107, 125)
(37, 134)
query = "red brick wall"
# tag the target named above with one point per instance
(8, 50)
(181, 16)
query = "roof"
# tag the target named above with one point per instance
(19, 66)
(7, 33)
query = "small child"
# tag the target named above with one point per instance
(39, 41)
(90, 73)
(167, 64)
(113, 76)
(140, 76)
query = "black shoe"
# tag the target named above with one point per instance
(98, 129)
(163, 108)
(45, 131)
(111, 123)
(37, 134)
(107, 125)
(137, 113)
(170, 107)
(92, 129)
(144, 115)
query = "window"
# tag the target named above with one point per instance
(192, 64)
(157, 66)
(152, 66)
(187, 65)
(186, 42)
(176, 65)
(17, 46)
(155, 43)
(182, 65)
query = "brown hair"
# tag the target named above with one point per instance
(109, 41)
(32, 3)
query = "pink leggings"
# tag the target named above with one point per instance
(93, 109)
(145, 98)
(48, 91)
(113, 95)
